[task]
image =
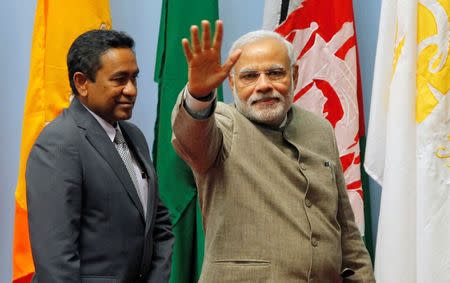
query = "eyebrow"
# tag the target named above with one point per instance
(125, 73)
(251, 70)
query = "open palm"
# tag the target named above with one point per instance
(205, 73)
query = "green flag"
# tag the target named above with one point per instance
(176, 182)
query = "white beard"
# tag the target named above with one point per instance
(272, 115)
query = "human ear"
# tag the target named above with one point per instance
(295, 75)
(80, 81)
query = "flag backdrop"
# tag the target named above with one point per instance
(408, 147)
(324, 39)
(56, 25)
(176, 182)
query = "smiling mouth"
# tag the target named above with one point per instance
(125, 103)
(266, 101)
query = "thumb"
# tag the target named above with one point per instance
(231, 60)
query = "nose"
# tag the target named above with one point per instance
(130, 88)
(263, 84)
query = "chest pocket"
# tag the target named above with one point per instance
(322, 183)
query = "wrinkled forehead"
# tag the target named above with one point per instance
(263, 54)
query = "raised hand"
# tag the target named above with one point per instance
(205, 73)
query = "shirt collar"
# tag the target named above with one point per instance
(283, 123)
(109, 129)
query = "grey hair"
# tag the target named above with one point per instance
(262, 34)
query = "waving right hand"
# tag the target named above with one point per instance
(205, 73)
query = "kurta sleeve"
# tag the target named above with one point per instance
(197, 141)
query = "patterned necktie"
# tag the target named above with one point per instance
(124, 152)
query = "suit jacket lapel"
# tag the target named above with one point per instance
(133, 140)
(97, 136)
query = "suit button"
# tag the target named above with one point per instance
(140, 276)
(308, 203)
(303, 166)
(314, 242)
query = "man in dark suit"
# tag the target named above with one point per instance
(93, 204)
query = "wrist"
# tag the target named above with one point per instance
(199, 103)
(206, 98)
(200, 95)
(199, 109)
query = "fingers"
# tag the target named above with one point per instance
(229, 63)
(206, 35)
(198, 48)
(205, 43)
(217, 44)
(186, 49)
(195, 40)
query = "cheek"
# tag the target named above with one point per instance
(283, 88)
(245, 92)
(112, 94)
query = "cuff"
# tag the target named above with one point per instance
(199, 108)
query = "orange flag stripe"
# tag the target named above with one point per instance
(56, 25)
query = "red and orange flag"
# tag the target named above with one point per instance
(324, 39)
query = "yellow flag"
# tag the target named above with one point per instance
(56, 25)
(408, 146)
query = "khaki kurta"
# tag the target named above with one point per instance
(274, 203)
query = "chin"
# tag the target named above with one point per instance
(268, 114)
(123, 116)
(271, 115)
(268, 117)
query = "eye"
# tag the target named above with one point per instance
(249, 76)
(275, 74)
(134, 78)
(120, 80)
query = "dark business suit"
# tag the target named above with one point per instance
(86, 221)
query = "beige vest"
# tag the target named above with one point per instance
(274, 203)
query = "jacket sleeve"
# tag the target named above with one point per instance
(54, 192)
(163, 240)
(354, 253)
(196, 141)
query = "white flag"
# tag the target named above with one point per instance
(408, 145)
